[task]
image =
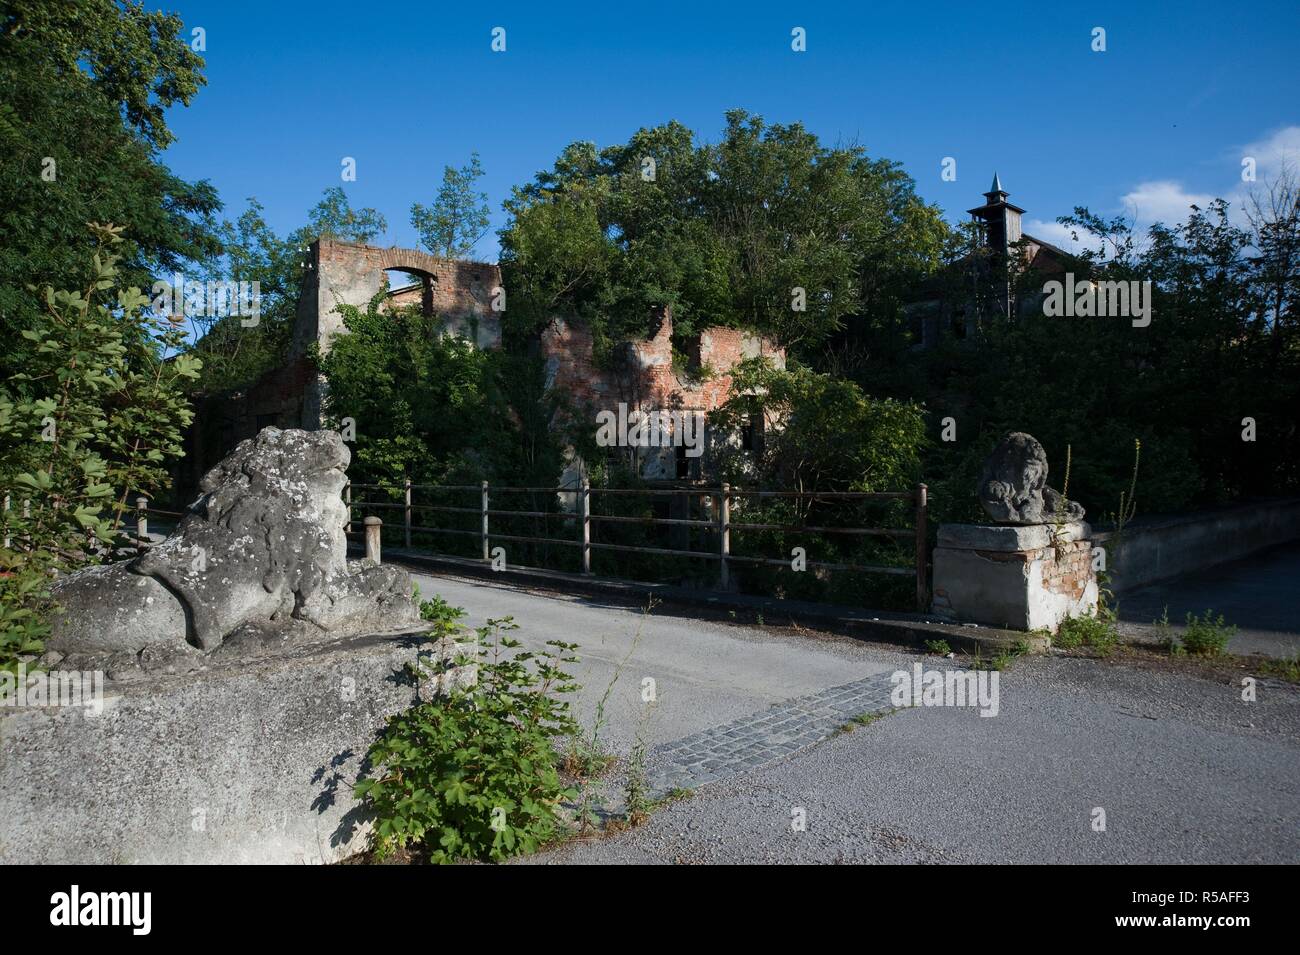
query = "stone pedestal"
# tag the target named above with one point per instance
(1028, 577)
(251, 762)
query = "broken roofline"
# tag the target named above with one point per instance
(323, 241)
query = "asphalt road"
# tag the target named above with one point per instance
(1256, 593)
(1184, 770)
(705, 674)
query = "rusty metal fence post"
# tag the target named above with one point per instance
(408, 513)
(584, 513)
(724, 536)
(484, 531)
(922, 589)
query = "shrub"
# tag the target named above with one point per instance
(1207, 635)
(95, 417)
(474, 774)
(24, 609)
(1099, 633)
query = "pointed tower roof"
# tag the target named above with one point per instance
(995, 198)
(996, 192)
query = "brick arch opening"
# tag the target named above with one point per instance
(420, 292)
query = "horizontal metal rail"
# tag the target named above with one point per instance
(721, 497)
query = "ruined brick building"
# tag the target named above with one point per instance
(462, 295)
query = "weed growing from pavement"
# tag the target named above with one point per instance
(637, 804)
(1000, 660)
(1287, 668)
(864, 719)
(586, 758)
(1098, 633)
(1207, 635)
(939, 648)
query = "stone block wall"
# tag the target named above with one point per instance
(1017, 577)
(245, 763)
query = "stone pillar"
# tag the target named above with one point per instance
(1019, 577)
(374, 526)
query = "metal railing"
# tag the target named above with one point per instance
(721, 524)
(141, 511)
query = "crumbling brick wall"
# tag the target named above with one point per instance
(643, 375)
(460, 292)
(1067, 568)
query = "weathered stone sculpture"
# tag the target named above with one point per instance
(260, 560)
(1013, 486)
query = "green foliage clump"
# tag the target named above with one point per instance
(474, 774)
(1207, 635)
(95, 418)
(235, 354)
(722, 232)
(826, 434)
(458, 218)
(87, 87)
(24, 611)
(1223, 335)
(1099, 633)
(432, 407)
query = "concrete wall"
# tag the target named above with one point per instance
(1162, 547)
(243, 763)
(1028, 577)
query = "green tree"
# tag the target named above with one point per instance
(334, 218)
(1223, 346)
(85, 86)
(433, 407)
(458, 218)
(236, 354)
(768, 229)
(824, 434)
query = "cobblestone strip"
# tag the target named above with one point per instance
(764, 737)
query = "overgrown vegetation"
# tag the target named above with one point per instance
(1207, 635)
(723, 232)
(1098, 633)
(475, 774)
(86, 87)
(94, 419)
(1223, 345)
(431, 406)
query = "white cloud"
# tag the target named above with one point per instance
(1274, 152)
(1161, 200)
(1055, 233)
(1169, 200)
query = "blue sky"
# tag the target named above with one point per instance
(1163, 116)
